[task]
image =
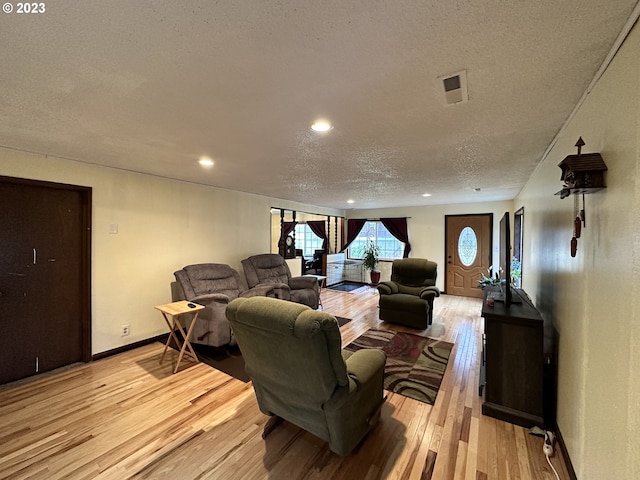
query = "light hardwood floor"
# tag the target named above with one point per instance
(127, 416)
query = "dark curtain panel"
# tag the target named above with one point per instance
(354, 226)
(287, 228)
(398, 228)
(319, 230)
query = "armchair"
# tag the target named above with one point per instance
(213, 285)
(272, 269)
(408, 298)
(301, 374)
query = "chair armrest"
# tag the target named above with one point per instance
(364, 365)
(298, 283)
(429, 292)
(354, 408)
(387, 288)
(261, 290)
(210, 298)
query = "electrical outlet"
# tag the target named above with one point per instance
(124, 330)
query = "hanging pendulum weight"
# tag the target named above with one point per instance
(577, 227)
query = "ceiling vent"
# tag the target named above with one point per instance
(455, 88)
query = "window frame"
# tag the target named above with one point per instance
(364, 236)
(301, 238)
(474, 244)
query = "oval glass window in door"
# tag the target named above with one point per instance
(467, 246)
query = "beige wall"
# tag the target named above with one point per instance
(593, 298)
(426, 230)
(162, 226)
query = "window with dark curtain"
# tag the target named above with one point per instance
(319, 230)
(354, 225)
(398, 228)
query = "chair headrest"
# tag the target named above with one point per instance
(209, 271)
(413, 271)
(286, 329)
(266, 260)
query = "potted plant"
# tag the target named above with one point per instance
(488, 281)
(370, 259)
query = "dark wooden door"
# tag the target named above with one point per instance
(44, 277)
(468, 252)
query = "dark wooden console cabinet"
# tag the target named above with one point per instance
(518, 372)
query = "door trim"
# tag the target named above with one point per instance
(85, 253)
(446, 239)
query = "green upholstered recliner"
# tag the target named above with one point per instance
(300, 373)
(408, 298)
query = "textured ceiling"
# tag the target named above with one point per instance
(150, 86)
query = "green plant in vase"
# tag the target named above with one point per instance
(370, 260)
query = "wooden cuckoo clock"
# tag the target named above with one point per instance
(582, 174)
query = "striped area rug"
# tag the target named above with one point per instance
(415, 364)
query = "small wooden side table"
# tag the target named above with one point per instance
(176, 309)
(322, 283)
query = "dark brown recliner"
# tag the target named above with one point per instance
(272, 269)
(408, 298)
(213, 285)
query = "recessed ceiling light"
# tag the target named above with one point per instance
(426, 194)
(205, 162)
(321, 126)
(351, 201)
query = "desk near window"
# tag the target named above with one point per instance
(314, 265)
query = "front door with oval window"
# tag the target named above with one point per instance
(468, 252)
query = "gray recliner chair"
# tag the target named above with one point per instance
(408, 298)
(301, 374)
(213, 285)
(272, 269)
